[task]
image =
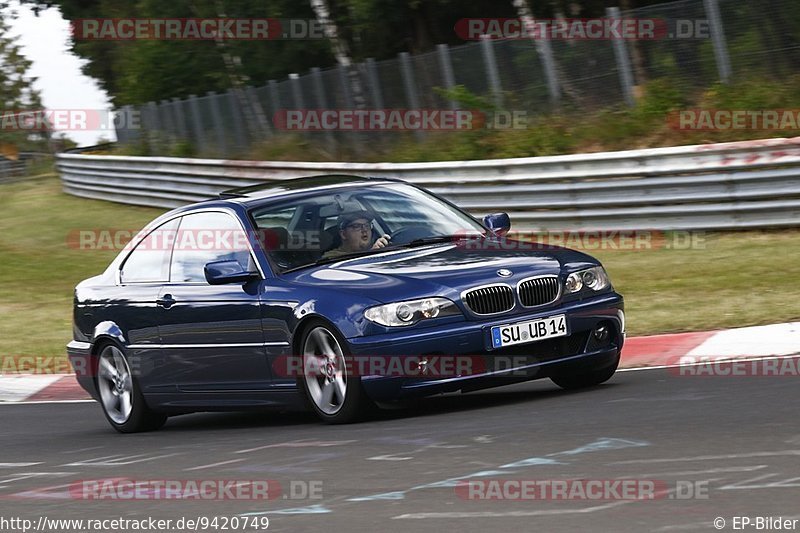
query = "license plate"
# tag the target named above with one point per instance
(531, 331)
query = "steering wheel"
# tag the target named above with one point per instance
(409, 233)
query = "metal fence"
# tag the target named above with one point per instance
(749, 184)
(11, 169)
(16, 169)
(737, 40)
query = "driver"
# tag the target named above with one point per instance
(355, 229)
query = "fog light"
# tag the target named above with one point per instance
(601, 334)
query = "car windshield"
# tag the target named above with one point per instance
(349, 222)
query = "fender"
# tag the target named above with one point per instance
(108, 329)
(350, 320)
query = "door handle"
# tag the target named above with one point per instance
(166, 301)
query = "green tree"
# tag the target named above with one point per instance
(133, 72)
(17, 92)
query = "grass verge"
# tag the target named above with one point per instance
(728, 280)
(39, 270)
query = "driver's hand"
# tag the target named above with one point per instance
(382, 242)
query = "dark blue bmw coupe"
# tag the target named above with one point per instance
(338, 293)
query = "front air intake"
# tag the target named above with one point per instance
(540, 290)
(490, 300)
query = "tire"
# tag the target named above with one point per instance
(586, 379)
(121, 396)
(335, 396)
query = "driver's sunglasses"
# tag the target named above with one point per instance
(359, 227)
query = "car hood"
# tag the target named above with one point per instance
(443, 269)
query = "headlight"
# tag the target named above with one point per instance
(574, 283)
(592, 278)
(411, 312)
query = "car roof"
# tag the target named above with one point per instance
(283, 188)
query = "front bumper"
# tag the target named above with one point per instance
(577, 352)
(82, 361)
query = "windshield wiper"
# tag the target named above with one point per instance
(325, 260)
(413, 244)
(427, 240)
(434, 240)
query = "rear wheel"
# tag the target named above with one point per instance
(333, 393)
(586, 379)
(120, 394)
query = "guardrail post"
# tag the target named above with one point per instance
(319, 96)
(197, 123)
(274, 99)
(319, 91)
(344, 80)
(154, 124)
(492, 74)
(545, 52)
(341, 72)
(718, 40)
(297, 90)
(237, 119)
(165, 108)
(623, 62)
(219, 127)
(122, 124)
(180, 119)
(119, 131)
(410, 86)
(262, 126)
(374, 84)
(443, 52)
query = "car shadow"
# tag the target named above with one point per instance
(486, 399)
(414, 408)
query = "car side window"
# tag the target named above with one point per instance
(276, 219)
(206, 237)
(149, 261)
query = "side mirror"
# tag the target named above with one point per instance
(222, 272)
(499, 223)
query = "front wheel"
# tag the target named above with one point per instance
(586, 379)
(120, 396)
(332, 391)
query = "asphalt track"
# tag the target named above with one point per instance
(736, 438)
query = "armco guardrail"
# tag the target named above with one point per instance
(749, 184)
